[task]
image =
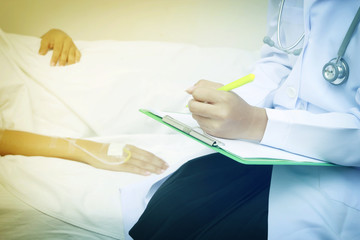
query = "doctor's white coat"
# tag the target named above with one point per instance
(309, 116)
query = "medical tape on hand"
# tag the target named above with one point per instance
(117, 149)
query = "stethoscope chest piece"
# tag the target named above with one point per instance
(336, 71)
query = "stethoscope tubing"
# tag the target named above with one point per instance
(336, 71)
(348, 35)
(281, 47)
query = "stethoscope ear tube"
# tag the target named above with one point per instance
(267, 40)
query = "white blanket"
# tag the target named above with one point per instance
(99, 97)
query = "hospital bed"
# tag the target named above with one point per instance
(97, 98)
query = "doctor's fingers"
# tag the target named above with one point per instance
(210, 102)
(210, 95)
(204, 109)
(209, 125)
(203, 84)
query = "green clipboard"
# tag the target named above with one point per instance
(249, 161)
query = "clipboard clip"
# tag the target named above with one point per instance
(202, 136)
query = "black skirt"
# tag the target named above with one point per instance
(211, 197)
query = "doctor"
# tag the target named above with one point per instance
(305, 99)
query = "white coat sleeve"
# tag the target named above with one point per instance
(333, 136)
(330, 136)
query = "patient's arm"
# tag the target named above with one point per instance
(64, 49)
(29, 144)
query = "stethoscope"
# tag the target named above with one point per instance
(336, 71)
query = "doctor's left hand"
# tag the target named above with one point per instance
(225, 114)
(64, 49)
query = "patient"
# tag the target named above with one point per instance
(127, 158)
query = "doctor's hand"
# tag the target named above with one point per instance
(225, 114)
(64, 49)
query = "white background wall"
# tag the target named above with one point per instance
(212, 23)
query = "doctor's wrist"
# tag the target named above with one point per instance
(258, 124)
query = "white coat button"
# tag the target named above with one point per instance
(291, 92)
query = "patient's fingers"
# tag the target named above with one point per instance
(64, 52)
(56, 53)
(77, 55)
(146, 160)
(145, 166)
(74, 55)
(146, 156)
(133, 165)
(64, 49)
(134, 169)
(44, 46)
(125, 167)
(71, 57)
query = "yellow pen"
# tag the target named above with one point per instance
(238, 83)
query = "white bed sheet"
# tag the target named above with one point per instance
(82, 195)
(21, 221)
(97, 98)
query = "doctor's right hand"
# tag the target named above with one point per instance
(225, 114)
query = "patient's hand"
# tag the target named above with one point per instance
(64, 49)
(141, 162)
